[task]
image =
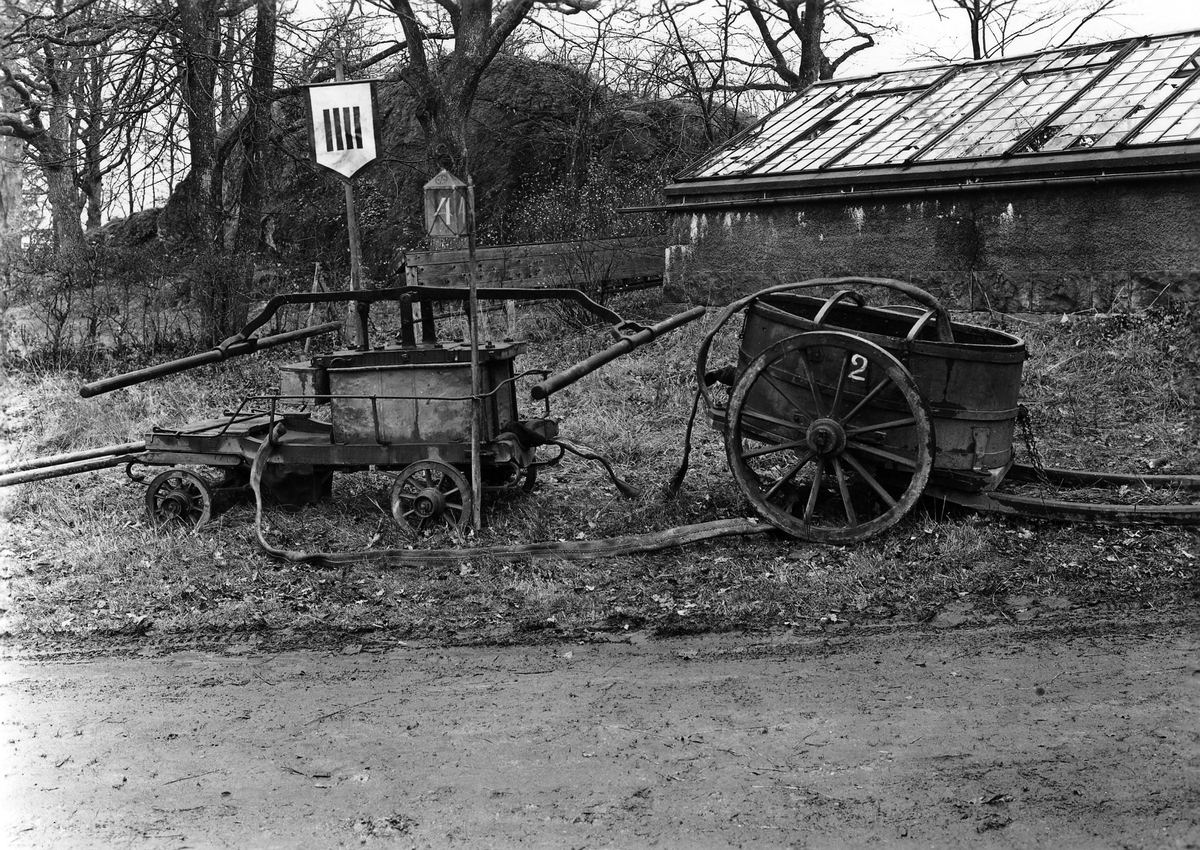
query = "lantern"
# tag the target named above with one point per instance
(447, 201)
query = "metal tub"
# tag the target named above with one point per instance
(418, 396)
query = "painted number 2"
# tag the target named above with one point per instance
(858, 372)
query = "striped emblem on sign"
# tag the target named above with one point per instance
(342, 135)
(343, 128)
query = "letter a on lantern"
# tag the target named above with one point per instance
(341, 126)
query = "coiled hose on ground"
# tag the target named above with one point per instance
(574, 550)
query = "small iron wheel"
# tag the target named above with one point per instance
(829, 437)
(179, 497)
(428, 495)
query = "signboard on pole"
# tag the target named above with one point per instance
(342, 135)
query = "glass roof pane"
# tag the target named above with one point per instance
(1106, 113)
(775, 130)
(904, 80)
(926, 119)
(1025, 104)
(1177, 122)
(834, 133)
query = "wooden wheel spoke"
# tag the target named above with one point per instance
(787, 396)
(867, 399)
(882, 426)
(870, 479)
(841, 385)
(790, 473)
(882, 454)
(818, 405)
(840, 472)
(774, 420)
(775, 447)
(818, 476)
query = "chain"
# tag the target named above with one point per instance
(1025, 428)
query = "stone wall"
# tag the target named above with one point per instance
(1107, 247)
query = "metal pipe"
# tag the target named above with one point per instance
(71, 457)
(215, 355)
(423, 295)
(61, 471)
(572, 374)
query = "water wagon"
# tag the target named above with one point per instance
(839, 414)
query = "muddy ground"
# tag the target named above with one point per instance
(1066, 732)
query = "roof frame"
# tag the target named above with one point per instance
(987, 101)
(1067, 109)
(1167, 101)
(929, 89)
(1029, 135)
(816, 122)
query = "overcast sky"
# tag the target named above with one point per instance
(920, 27)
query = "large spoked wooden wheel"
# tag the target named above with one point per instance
(430, 495)
(179, 497)
(829, 437)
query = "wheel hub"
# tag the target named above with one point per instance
(430, 503)
(175, 503)
(826, 437)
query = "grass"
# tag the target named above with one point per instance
(78, 559)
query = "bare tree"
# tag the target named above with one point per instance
(44, 59)
(808, 40)
(997, 26)
(80, 82)
(446, 82)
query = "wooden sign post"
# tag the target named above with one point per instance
(343, 139)
(450, 214)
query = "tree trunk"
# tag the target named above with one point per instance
(812, 54)
(11, 155)
(248, 228)
(247, 238)
(199, 44)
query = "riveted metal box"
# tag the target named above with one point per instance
(418, 394)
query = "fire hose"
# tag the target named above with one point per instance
(574, 550)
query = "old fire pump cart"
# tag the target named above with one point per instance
(406, 408)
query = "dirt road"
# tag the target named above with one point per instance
(1073, 734)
